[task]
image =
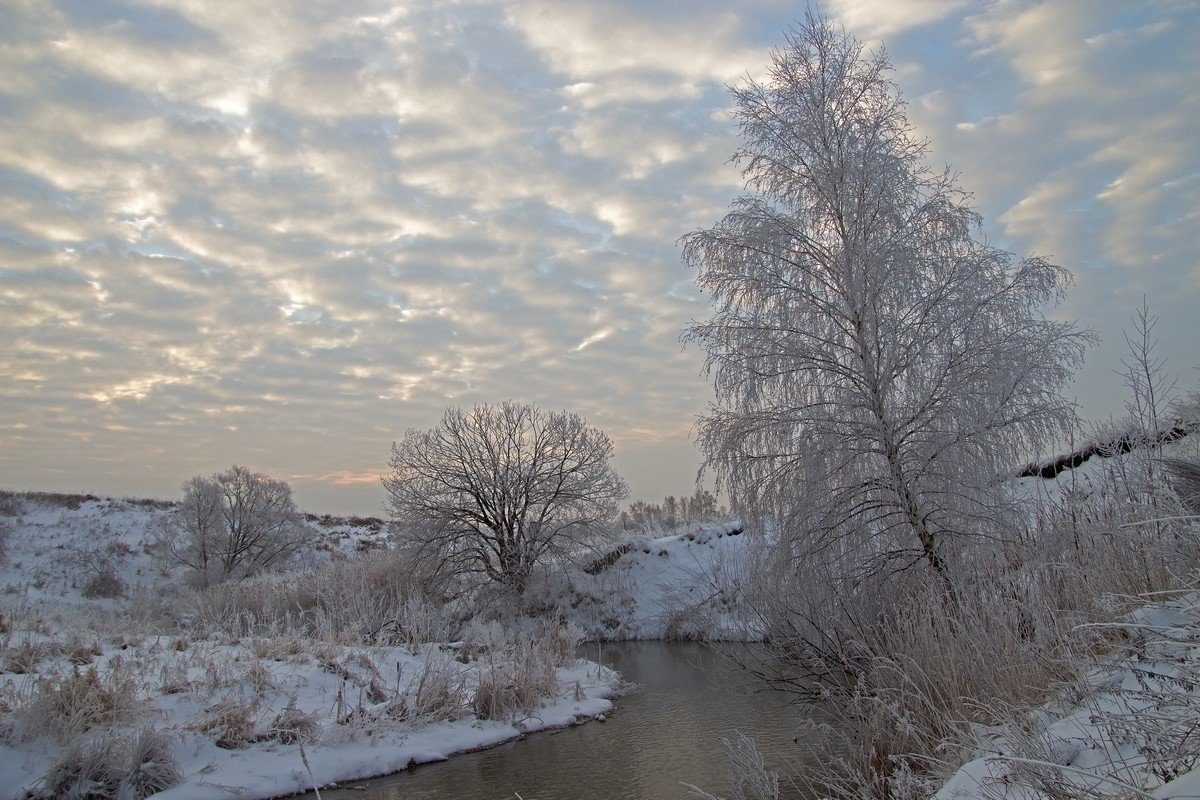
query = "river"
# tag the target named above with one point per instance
(658, 737)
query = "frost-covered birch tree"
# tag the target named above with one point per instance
(877, 364)
(498, 489)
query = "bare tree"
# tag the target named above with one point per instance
(876, 363)
(700, 507)
(498, 489)
(1151, 388)
(233, 524)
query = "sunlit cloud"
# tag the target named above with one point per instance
(280, 234)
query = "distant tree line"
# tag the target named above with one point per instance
(672, 511)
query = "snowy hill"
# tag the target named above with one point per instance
(71, 549)
(67, 550)
(673, 586)
(118, 681)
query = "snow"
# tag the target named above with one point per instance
(377, 744)
(674, 586)
(273, 769)
(188, 685)
(1131, 729)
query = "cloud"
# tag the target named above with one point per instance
(880, 18)
(281, 234)
(1073, 122)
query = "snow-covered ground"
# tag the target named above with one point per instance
(60, 543)
(245, 718)
(1129, 727)
(81, 676)
(672, 586)
(1126, 724)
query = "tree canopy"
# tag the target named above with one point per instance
(877, 363)
(497, 489)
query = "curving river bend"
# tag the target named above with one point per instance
(658, 737)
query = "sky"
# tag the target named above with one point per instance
(279, 234)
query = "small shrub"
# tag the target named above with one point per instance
(99, 568)
(293, 725)
(69, 704)
(230, 722)
(106, 585)
(117, 766)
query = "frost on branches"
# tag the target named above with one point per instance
(497, 489)
(877, 364)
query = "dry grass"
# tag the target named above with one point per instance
(68, 704)
(437, 695)
(292, 726)
(359, 601)
(514, 679)
(900, 676)
(230, 722)
(749, 778)
(120, 766)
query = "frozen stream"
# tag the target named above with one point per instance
(659, 736)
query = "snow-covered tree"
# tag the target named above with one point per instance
(233, 524)
(498, 489)
(877, 364)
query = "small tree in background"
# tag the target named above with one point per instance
(234, 524)
(700, 507)
(876, 363)
(497, 489)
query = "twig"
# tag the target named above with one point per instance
(304, 758)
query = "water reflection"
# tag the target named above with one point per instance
(658, 737)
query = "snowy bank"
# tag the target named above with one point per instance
(116, 680)
(1127, 728)
(679, 585)
(264, 717)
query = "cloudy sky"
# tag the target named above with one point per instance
(281, 233)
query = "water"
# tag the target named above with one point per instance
(657, 737)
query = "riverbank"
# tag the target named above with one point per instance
(117, 680)
(263, 718)
(662, 735)
(275, 769)
(1127, 726)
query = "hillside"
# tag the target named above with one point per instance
(117, 679)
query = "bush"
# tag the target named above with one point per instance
(118, 766)
(69, 704)
(6, 529)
